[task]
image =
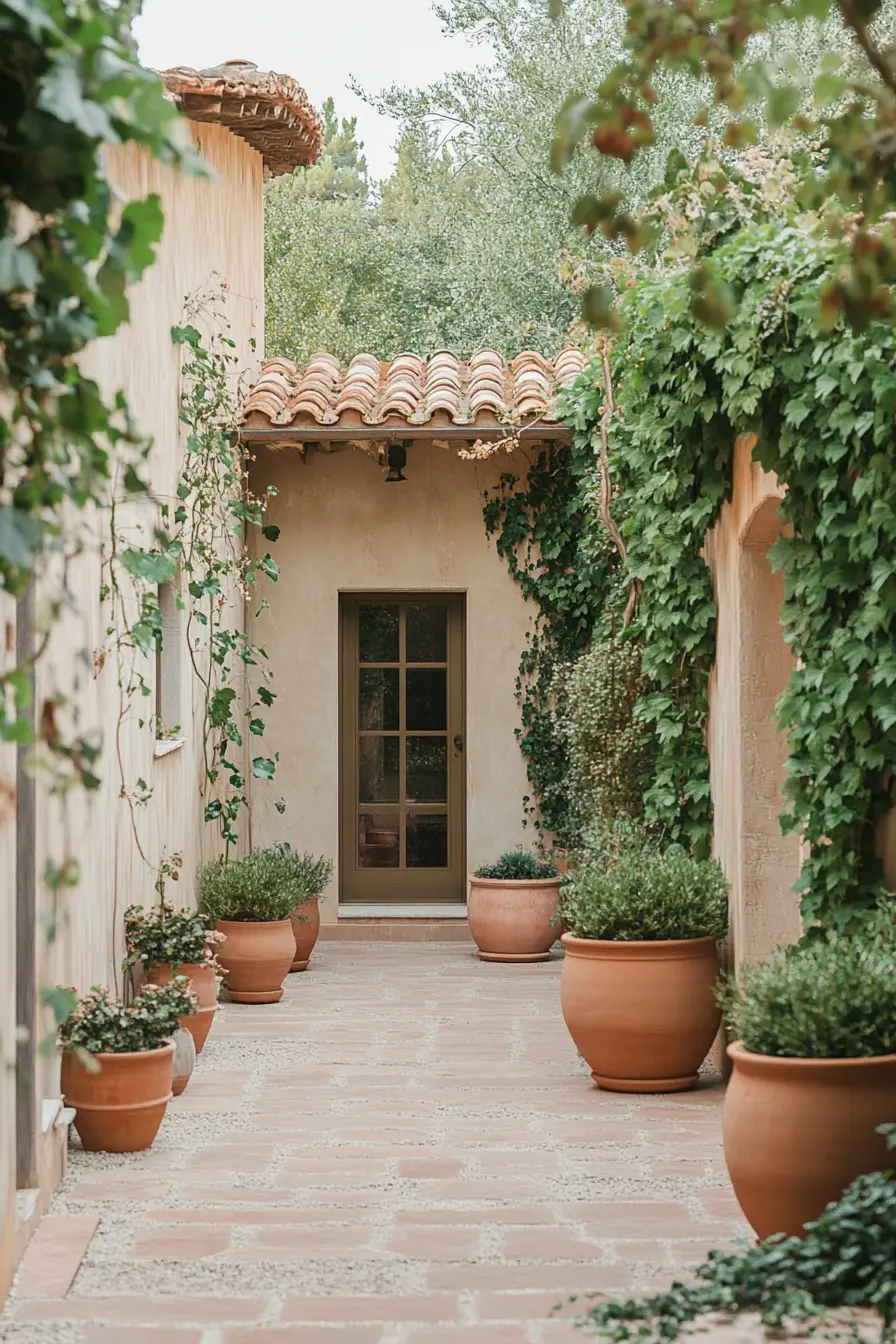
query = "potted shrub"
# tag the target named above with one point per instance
(250, 901)
(641, 964)
(313, 875)
(512, 907)
(814, 1075)
(117, 1064)
(171, 942)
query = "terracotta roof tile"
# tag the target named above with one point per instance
(469, 392)
(269, 111)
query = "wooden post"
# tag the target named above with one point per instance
(26, 922)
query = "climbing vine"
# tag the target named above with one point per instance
(546, 528)
(202, 547)
(821, 401)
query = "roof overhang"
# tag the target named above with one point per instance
(311, 434)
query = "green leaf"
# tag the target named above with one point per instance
(221, 706)
(263, 767)
(153, 566)
(256, 726)
(18, 269)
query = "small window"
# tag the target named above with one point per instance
(169, 665)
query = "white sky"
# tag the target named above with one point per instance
(321, 43)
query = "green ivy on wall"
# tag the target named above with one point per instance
(821, 400)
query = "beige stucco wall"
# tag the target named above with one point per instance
(747, 753)
(213, 227)
(342, 529)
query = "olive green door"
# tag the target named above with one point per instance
(402, 749)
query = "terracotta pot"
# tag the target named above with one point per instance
(204, 984)
(511, 921)
(120, 1107)
(305, 927)
(256, 958)
(642, 1015)
(184, 1061)
(799, 1131)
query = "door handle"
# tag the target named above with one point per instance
(458, 742)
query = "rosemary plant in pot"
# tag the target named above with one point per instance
(641, 964)
(512, 907)
(251, 901)
(313, 874)
(814, 1075)
(169, 942)
(117, 1064)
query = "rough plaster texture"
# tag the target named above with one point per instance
(405, 1150)
(343, 529)
(212, 225)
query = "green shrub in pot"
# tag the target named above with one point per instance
(817, 1052)
(251, 900)
(512, 907)
(314, 873)
(518, 865)
(638, 980)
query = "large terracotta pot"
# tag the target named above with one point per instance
(643, 1015)
(120, 1107)
(305, 927)
(256, 958)
(204, 984)
(799, 1131)
(511, 921)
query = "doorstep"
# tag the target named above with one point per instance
(405, 923)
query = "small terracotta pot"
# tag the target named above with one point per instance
(511, 921)
(184, 1061)
(643, 1015)
(204, 984)
(120, 1107)
(798, 1131)
(256, 957)
(305, 927)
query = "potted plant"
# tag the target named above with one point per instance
(313, 875)
(117, 1064)
(814, 1075)
(512, 907)
(641, 964)
(171, 942)
(251, 900)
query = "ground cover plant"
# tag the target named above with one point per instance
(167, 936)
(847, 1259)
(100, 1023)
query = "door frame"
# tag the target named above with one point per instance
(379, 884)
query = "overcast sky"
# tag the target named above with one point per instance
(380, 42)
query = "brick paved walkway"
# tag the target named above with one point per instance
(405, 1150)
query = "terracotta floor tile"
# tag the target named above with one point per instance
(337, 1310)
(185, 1245)
(54, 1255)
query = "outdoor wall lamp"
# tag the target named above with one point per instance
(398, 456)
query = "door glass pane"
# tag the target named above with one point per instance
(427, 841)
(427, 700)
(427, 769)
(378, 770)
(378, 840)
(427, 634)
(378, 699)
(377, 634)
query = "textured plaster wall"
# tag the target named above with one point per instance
(747, 753)
(212, 225)
(343, 529)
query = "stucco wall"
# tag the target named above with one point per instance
(747, 753)
(343, 529)
(212, 226)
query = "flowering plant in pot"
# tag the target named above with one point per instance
(313, 874)
(512, 907)
(117, 1064)
(171, 942)
(814, 1075)
(641, 964)
(251, 901)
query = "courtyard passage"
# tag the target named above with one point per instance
(405, 1150)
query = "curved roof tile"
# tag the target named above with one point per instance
(271, 112)
(414, 389)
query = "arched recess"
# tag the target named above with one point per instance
(767, 910)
